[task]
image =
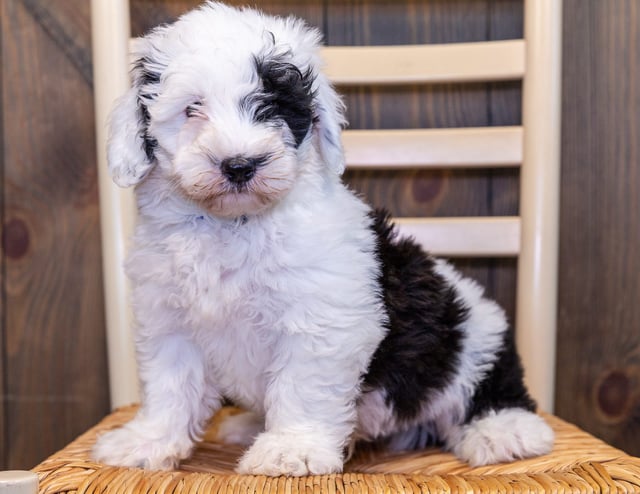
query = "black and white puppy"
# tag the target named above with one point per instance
(260, 278)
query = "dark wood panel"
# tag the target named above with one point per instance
(65, 24)
(54, 330)
(145, 14)
(598, 381)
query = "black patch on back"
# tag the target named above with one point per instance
(143, 75)
(419, 355)
(286, 95)
(503, 386)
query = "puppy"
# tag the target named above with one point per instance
(260, 278)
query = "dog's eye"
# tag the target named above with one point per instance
(194, 110)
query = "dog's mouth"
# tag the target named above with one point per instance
(238, 184)
(238, 200)
(237, 188)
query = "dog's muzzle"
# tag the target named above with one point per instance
(239, 170)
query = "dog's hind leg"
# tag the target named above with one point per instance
(501, 436)
(501, 424)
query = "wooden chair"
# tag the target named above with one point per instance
(579, 462)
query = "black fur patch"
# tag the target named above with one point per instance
(419, 355)
(286, 95)
(144, 76)
(503, 386)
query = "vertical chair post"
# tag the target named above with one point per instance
(539, 199)
(110, 37)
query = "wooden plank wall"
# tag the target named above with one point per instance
(598, 383)
(53, 372)
(53, 361)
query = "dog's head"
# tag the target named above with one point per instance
(225, 103)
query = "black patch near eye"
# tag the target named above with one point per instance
(286, 95)
(143, 75)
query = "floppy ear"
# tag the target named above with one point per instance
(329, 121)
(128, 162)
(130, 151)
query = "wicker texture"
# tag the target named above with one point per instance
(579, 463)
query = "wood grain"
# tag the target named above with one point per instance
(66, 25)
(54, 329)
(598, 383)
(145, 14)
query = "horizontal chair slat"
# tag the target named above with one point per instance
(465, 237)
(414, 64)
(408, 64)
(468, 147)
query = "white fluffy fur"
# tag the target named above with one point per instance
(259, 296)
(267, 296)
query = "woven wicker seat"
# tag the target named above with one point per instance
(579, 463)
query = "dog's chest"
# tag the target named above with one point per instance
(228, 277)
(245, 292)
(224, 284)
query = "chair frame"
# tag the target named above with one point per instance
(533, 235)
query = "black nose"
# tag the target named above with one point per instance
(238, 170)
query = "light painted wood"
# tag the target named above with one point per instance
(534, 234)
(110, 36)
(458, 147)
(465, 236)
(539, 200)
(408, 64)
(18, 482)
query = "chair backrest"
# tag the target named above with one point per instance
(534, 146)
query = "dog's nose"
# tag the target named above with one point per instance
(238, 170)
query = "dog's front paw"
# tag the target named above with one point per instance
(290, 454)
(131, 447)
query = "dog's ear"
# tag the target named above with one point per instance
(128, 161)
(329, 120)
(131, 149)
